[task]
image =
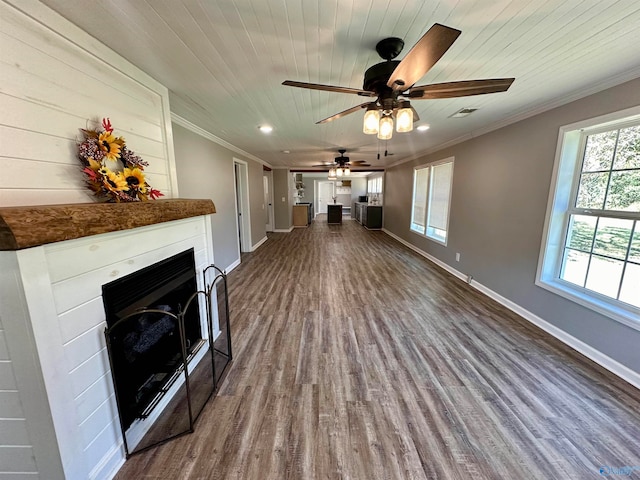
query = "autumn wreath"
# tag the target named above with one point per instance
(113, 172)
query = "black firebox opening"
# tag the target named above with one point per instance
(146, 348)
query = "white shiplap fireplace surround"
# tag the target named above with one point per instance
(58, 416)
(55, 377)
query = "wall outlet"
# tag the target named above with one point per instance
(283, 199)
(457, 257)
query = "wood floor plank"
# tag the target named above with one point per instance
(355, 358)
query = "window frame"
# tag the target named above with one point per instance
(427, 234)
(561, 205)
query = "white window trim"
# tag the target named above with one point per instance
(556, 219)
(426, 229)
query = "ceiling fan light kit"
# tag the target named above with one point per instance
(392, 79)
(378, 121)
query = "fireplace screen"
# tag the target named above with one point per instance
(155, 343)
(146, 349)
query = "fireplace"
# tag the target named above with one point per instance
(146, 348)
(54, 261)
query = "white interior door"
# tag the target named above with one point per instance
(325, 195)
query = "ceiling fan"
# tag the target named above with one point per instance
(392, 82)
(342, 165)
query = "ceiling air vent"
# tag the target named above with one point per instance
(463, 112)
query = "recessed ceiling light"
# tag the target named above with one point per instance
(463, 112)
(265, 128)
(286, 151)
(422, 128)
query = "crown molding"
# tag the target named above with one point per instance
(183, 122)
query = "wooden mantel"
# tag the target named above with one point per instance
(24, 227)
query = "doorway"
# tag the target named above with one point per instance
(243, 220)
(267, 181)
(326, 192)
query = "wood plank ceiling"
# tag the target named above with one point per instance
(224, 62)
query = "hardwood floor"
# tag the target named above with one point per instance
(355, 358)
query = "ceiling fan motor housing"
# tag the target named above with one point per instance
(377, 76)
(389, 48)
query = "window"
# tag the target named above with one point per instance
(374, 185)
(591, 252)
(431, 199)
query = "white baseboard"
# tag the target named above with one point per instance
(283, 230)
(257, 245)
(232, 266)
(435, 260)
(588, 351)
(110, 464)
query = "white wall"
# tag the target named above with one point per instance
(56, 79)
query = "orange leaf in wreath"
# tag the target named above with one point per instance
(90, 173)
(154, 194)
(106, 124)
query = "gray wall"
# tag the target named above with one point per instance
(501, 183)
(281, 210)
(205, 170)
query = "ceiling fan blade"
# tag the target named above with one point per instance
(343, 113)
(461, 89)
(328, 88)
(424, 55)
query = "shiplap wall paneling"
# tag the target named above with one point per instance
(27, 437)
(54, 81)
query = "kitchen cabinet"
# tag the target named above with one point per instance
(357, 208)
(302, 214)
(369, 216)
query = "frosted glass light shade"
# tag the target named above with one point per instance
(332, 172)
(339, 171)
(371, 120)
(404, 120)
(385, 130)
(347, 171)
